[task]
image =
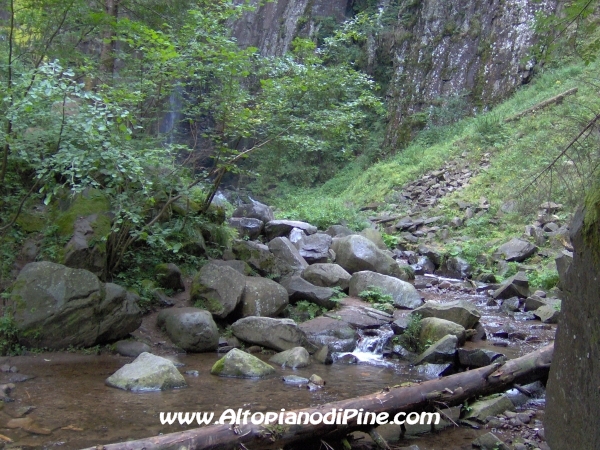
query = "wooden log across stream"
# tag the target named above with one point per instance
(418, 397)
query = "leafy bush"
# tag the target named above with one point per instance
(374, 294)
(410, 338)
(544, 279)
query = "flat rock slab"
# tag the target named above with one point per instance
(359, 314)
(147, 372)
(460, 312)
(277, 228)
(516, 250)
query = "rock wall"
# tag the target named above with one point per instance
(573, 395)
(435, 49)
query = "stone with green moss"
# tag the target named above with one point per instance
(239, 364)
(218, 289)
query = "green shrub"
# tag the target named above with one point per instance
(373, 294)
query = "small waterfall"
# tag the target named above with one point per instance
(170, 121)
(370, 345)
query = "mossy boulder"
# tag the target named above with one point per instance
(218, 289)
(57, 306)
(263, 297)
(191, 329)
(433, 329)
(147, 372)
(239, 364)
(169, 276)
(293, 358)
(460, 312)
(356, 253)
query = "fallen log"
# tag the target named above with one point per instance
(556, 99)
(426, 396)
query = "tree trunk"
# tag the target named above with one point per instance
(425, 396)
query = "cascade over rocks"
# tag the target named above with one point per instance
(57, 307)
(147, 372)
(263, 297)
(404, 294)
(356, 253)
(218, 289)
(191, 329)
(278, 334)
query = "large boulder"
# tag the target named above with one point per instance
(147, 372)
(263, 297)
(563, 262)
(283, 248)
(300, 289)
(277, 228)
(259, 258)
(547, 314)
(359, 314)
(255, 210)
(515, 286)
(239, 266)
(294, 358)
(573, 394)
(315, 248)
(57, 307)
(327, 275)
(239, 364)
(460, 312)
(404, 294)
(442, 351)
(217, 289)
(356, 253)
(247, 227)
(278, 334)
(168, 276)
(433, 329)
(516, 250)
(375, 237)
(455, 267)
(338, 335)
(339, 231)
(191, 329)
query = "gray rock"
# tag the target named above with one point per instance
(83, 251)
(359, 314)
(434, 255)
(300, 289)
(478, 357)
(356, 253)
(263, 297)
(547, 314)
(239, 266)
(57, 307)
(491, 406)
(516, 250)
(404, 294)
(455, 267)
(433, 329)
(563, 262)
(255, 210)
(515, 286)
(338, 231)
(294, 380)
(510, 305)
(429, 370)
(442, 351)
(278, 334)
(247, 227)
(460, 312)
(315, 248)
(191, 329)
(400, 324)
(168, 276)
(147, 372)
(293, 358)
(131, 348)
(490, 441)
(327, 275)
(217, 289)
(534, 302)
(239, 364)
(336, 334)
(296, 235)
(283, 248)
(277, 228)
(324, 355)
(375, 237)
(259, 258)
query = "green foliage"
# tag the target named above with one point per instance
(9, 336)
(313, 310)
(339, 293)
(543, 279)
(410, 338)
(374, 294)
(390, 240)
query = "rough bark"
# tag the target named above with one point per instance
(426, 396)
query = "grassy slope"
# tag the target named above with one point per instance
(519, 151)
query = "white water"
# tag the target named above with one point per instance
(370, 346)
